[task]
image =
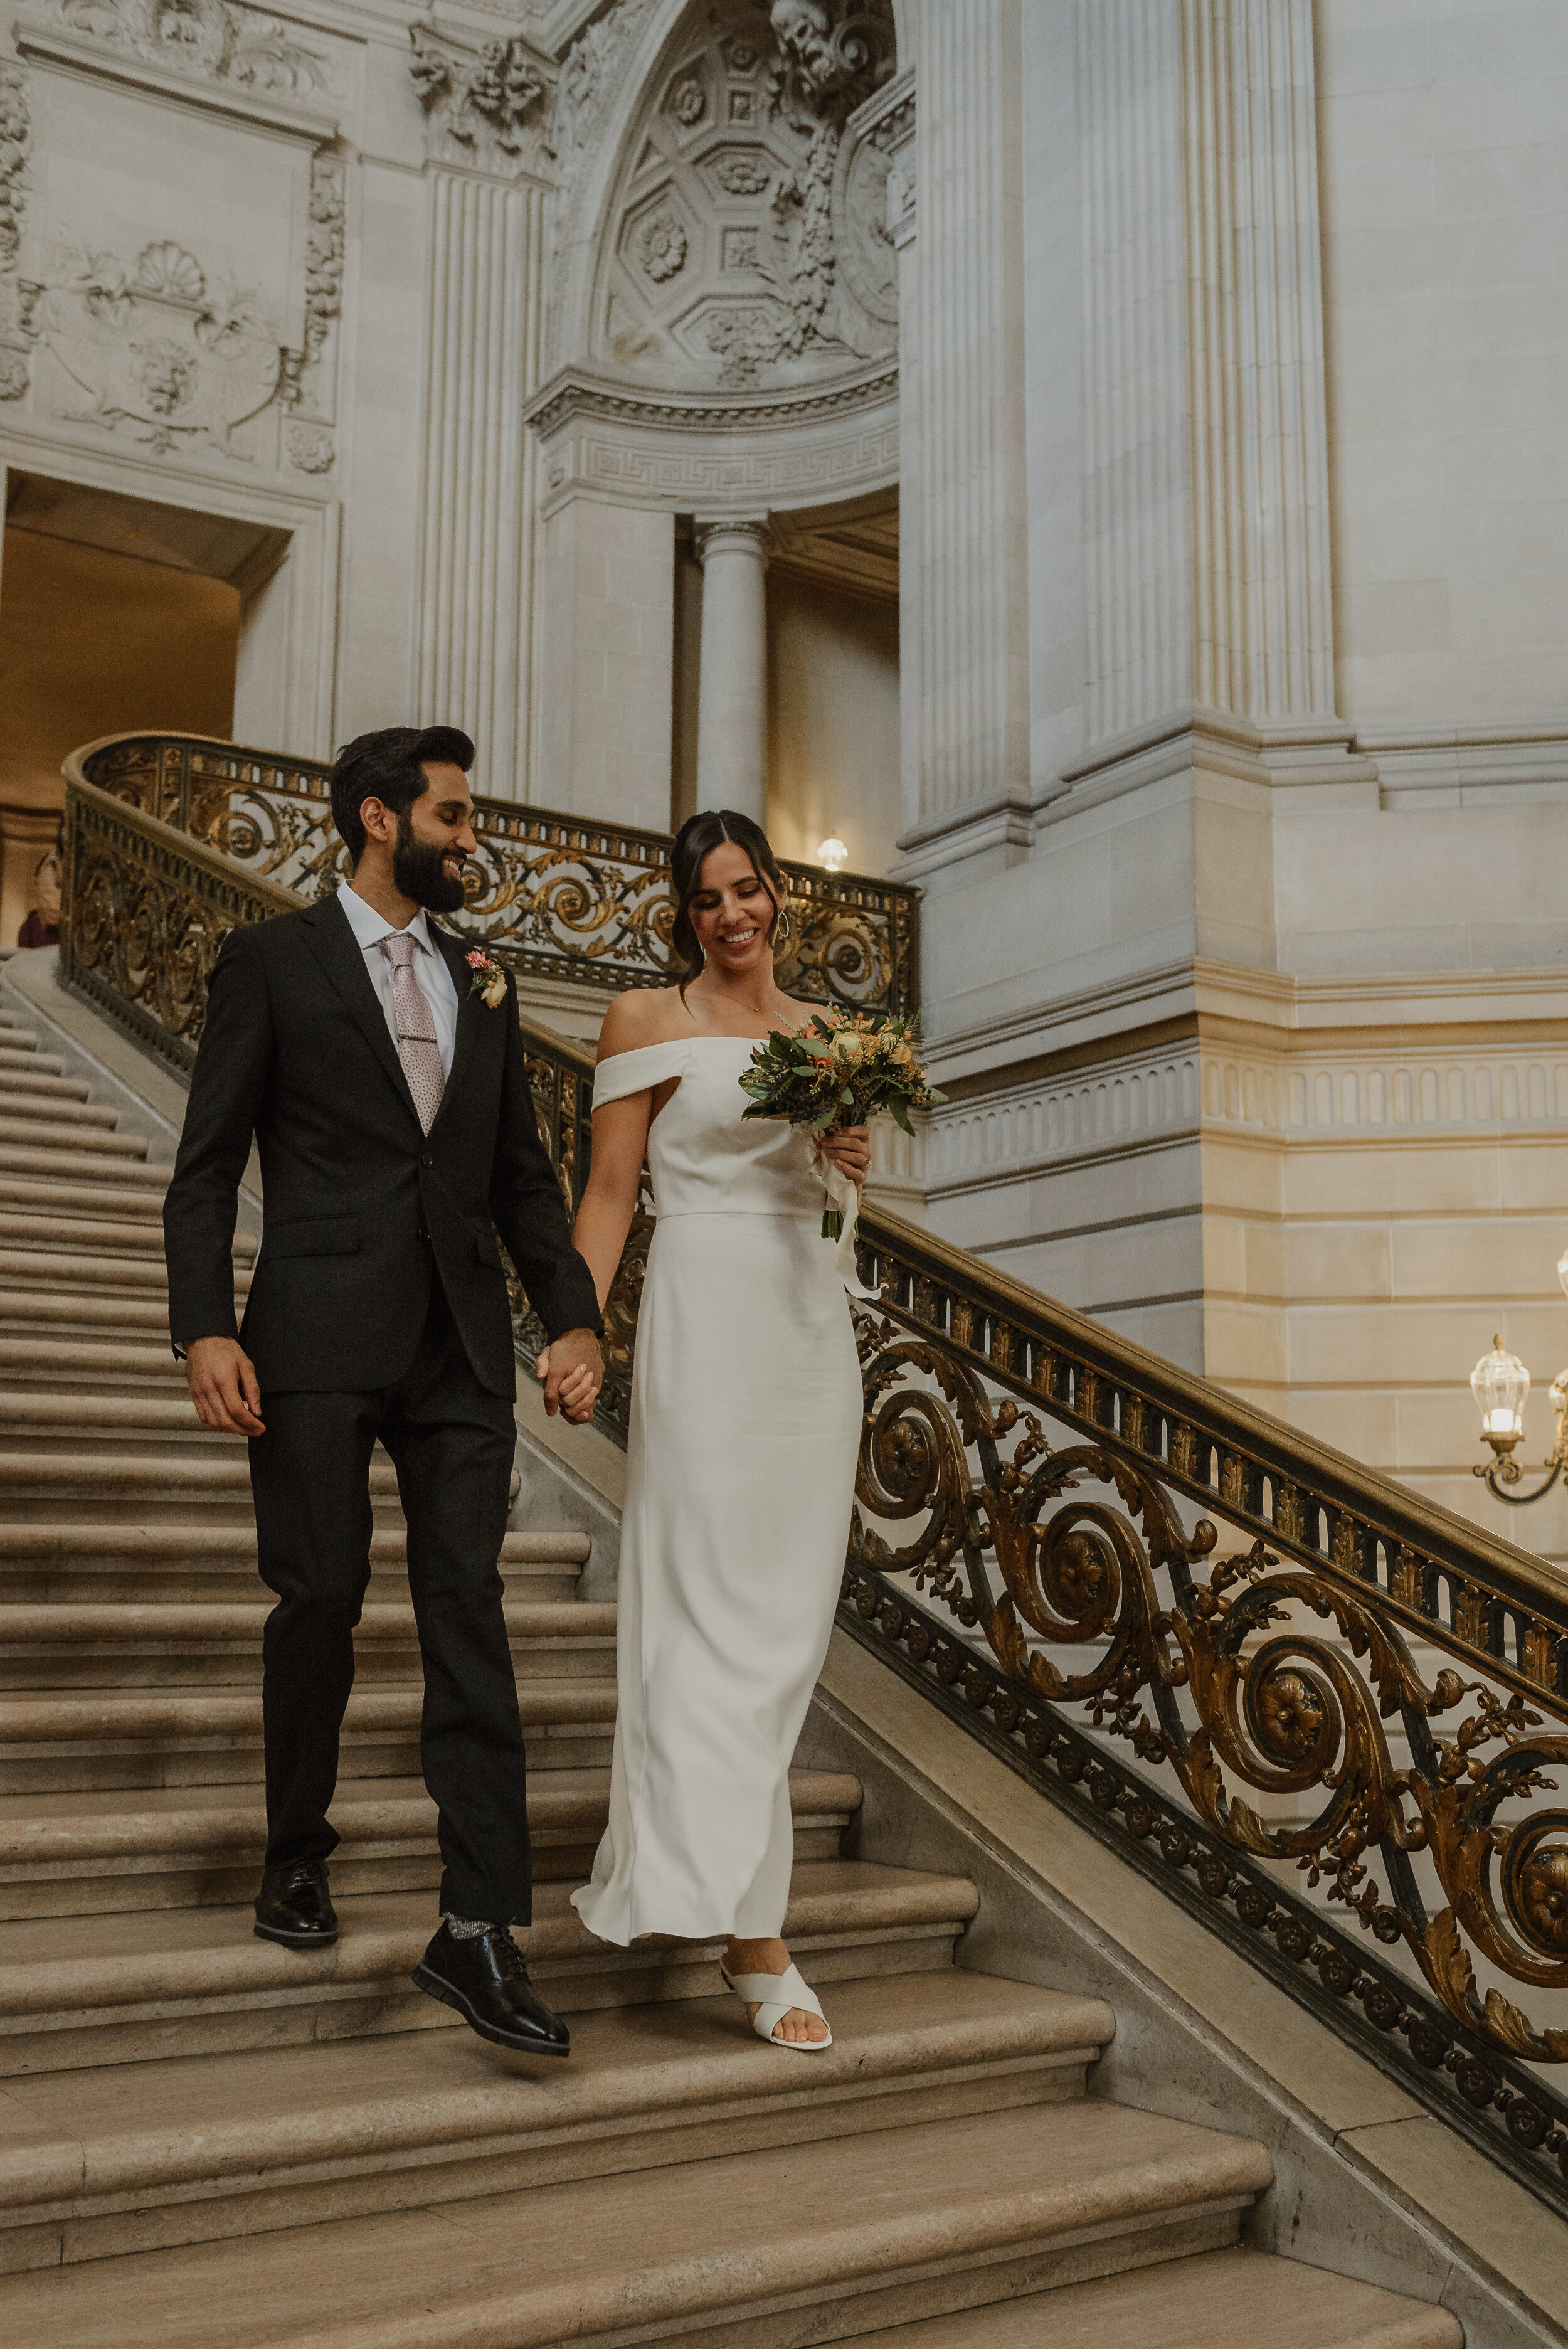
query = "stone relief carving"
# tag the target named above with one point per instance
(591, 72)
(659, 242)
(16, 306)
(786, 268)
(220, 40)
(485, 110)
(157, 349)
(310, 448)
(323, 253)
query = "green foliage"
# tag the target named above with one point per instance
(839, 1070)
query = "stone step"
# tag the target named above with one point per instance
(33, 1077)
(87, 1564)
(66, 1743)
(197, 1980)
(54, 1312)
(212, 1474)
(86, 1198)
(22, 1101)
(51, 1418)
(1210, 2299)
(190, 1645)
(78, 1146)
(92, 1238)
(809, 2221)
(105, 1273)
(25, 1157)
(35, 1364)
(19, 1049)
(75, 1855)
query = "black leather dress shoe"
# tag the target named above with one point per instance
(485, 1978)
(294, 1906)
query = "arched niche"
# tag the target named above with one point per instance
(725, 293)
(746, 243)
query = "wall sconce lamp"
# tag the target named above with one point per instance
(1500, 1383)
(832, 852)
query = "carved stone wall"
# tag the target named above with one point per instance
(746, 239)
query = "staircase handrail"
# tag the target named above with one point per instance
(1197, 1660)
(564, 898)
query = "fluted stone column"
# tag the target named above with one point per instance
(964, 489)
(732, 702)
(1206, 478)
(476, 510)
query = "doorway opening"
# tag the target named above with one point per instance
(116, 614)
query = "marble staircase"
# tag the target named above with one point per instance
(207, 2140)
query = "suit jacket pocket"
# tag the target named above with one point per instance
(310, 1235)
(486, 1249)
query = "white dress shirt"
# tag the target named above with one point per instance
(431, 975)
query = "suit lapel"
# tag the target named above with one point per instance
(342, 957)
(470, 1010)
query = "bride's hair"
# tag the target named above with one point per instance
(697, 836)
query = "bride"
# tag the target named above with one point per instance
(745, 1424)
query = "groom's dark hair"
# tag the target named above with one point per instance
(389, 766)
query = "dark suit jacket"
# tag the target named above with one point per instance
(360, 1205)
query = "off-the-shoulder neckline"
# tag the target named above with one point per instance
(673, 1043)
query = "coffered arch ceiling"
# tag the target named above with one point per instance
(744, 244)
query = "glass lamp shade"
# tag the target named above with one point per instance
(832, 852)
(1500, 1383)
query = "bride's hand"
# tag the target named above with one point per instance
(576, 1393)
(851, 1151)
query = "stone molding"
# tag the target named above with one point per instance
(1305, 754)
(1264, 1061)
(776, 448)
(1455, 762)
(573, 392)
(261, 108)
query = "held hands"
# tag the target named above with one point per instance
(223, 1386)
(573, 1371)
(849, 1148)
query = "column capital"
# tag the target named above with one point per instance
(733, 534)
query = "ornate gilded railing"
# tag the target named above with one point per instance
(556, 896)
(1328, 1716)
(1323, 1676)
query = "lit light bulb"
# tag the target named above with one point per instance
(832, 852)
(1500, 1383)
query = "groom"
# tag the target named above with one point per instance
(388, 1095)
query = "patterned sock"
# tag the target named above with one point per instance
(468, 1928)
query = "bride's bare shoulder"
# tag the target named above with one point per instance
(643, 1015)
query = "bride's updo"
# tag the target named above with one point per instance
(700, 834)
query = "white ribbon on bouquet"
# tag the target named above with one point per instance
(844, 1197)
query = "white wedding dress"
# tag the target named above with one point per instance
(745, 1425)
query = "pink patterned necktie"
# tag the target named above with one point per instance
(416, 1027)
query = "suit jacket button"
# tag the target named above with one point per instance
(426, 1160)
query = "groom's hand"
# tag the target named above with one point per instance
(573, 1371)
(223, 1386)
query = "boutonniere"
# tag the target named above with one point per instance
(488, 981)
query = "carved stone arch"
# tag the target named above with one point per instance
(721, 225)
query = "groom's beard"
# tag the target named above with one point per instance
(418, 871)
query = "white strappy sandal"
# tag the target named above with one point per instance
(773, 1995)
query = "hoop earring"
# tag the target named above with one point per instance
(783, 930)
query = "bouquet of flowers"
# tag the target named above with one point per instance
(840, 1069)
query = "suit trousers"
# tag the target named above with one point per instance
(452, 1443)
